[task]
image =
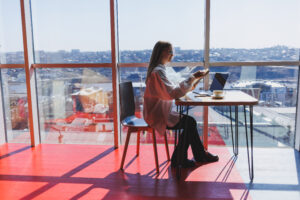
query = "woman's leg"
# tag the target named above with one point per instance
(193, 138)
(199, 152)
(189, 137)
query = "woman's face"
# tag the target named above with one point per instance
(167, 55)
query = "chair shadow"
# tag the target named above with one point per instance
(144, 186)
(130, 162)
(184, 172)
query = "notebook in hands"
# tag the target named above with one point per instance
(199, 75)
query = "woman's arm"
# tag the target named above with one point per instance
(170, 91)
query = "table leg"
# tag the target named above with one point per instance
(205, 127)
(178, 166)
(235, 135)
(250, 159)
(176, 133)
(251, 140)
(236, 109)
(231, 128)
(183, 143)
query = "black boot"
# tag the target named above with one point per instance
(186, 163)
(208, 157)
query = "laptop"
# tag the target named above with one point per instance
(218, 83)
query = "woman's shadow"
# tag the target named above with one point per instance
(167, 169)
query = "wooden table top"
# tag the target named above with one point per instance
(231, 98)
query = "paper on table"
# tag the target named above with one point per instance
(191, 97)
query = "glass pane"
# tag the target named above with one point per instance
(75, 105)
(255, 30)
(11, 40)
(143, 23)
(15, 105)
(71, 31)
(274, 116)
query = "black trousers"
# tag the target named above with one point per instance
(189, 137)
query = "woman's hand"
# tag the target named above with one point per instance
(195, 84)
(200, 73)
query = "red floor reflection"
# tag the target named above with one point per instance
(92, 172)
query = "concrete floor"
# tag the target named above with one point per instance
(276, 173)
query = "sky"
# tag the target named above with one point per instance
(85, 24)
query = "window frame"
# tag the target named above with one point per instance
(115, 65)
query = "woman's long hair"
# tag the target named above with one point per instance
(155, 59)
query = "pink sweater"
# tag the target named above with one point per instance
(158, 99)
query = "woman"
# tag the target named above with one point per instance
(158, 98)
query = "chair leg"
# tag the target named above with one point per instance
(167, 146)
(138, 143)
(125, 148)
(155, 150)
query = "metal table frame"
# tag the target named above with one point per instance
(234, 136)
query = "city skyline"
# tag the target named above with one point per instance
(276, 53)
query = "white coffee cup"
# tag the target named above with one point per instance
(218, 93)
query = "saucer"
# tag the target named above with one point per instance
(217, 97)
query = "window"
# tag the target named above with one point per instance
(254, 30)
(13, 79)
(75, 105)
(71, 31)
(11, 41)
(143, 23)
(274, 116)
(15, 105)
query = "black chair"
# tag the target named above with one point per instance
(134, 124)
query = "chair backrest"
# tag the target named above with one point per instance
(254, 92)
(126, 100)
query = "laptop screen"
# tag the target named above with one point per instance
(219, 81)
